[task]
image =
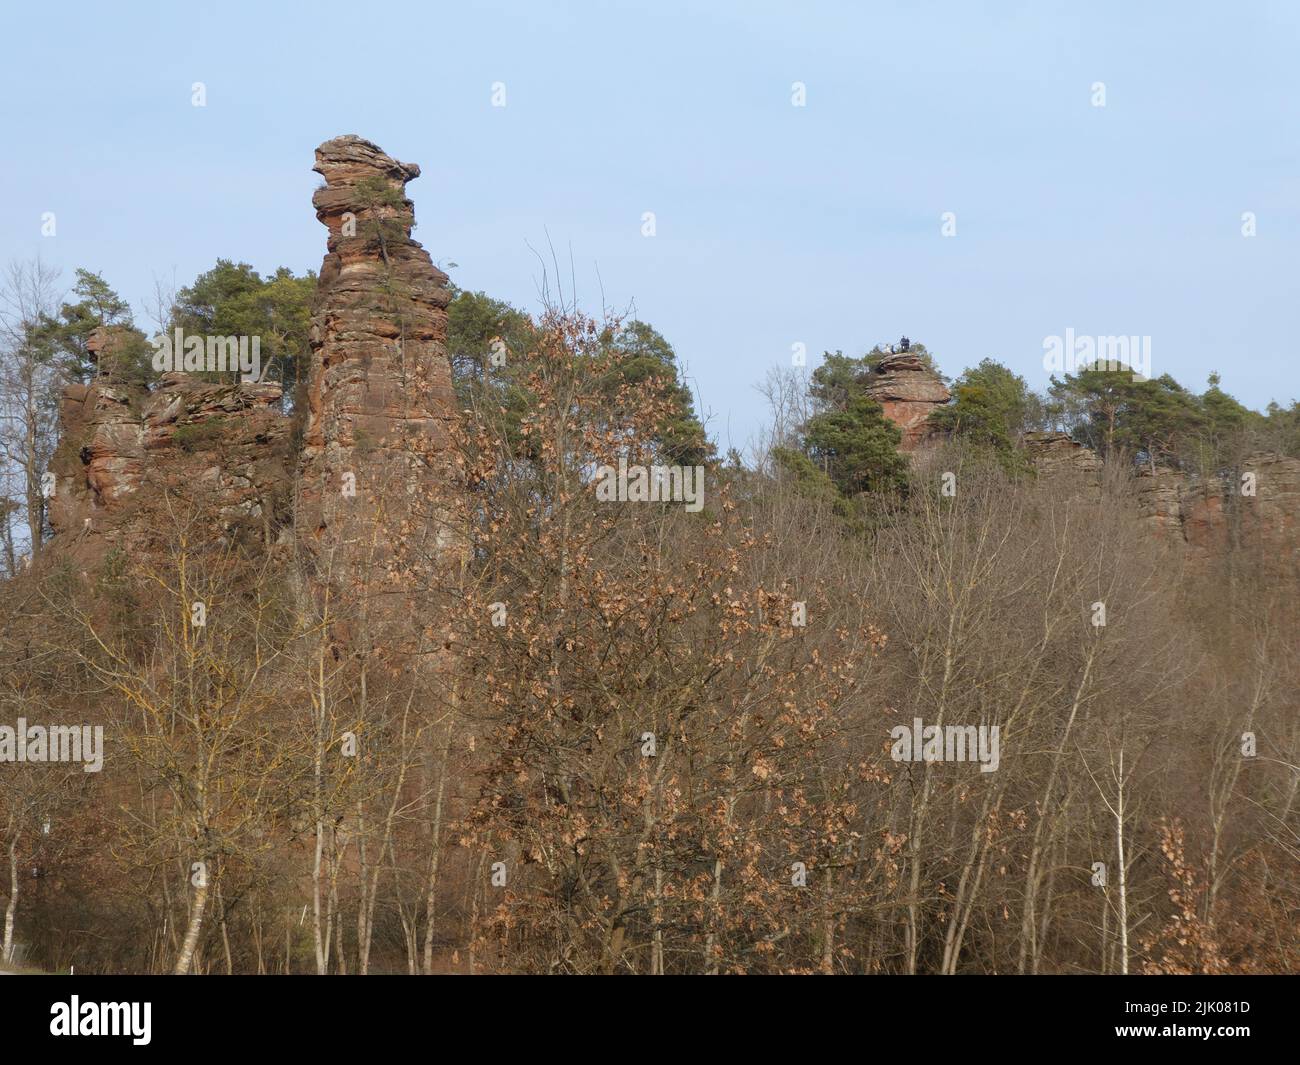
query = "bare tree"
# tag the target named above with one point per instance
(29, 388)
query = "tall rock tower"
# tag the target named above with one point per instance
(377, 502)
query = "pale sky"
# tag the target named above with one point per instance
(775, 224)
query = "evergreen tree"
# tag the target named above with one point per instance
(857, 447)
(1222, 429)
(849, 439)
(991, 407)
(232, 299)
(1159, 422)
(99, 306)
(644, 354)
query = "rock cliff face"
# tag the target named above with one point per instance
(1255, 509)
(1055, 453)
(1199, 519)
(908, 391)
(125, 450)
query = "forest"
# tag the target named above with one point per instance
(579, 735)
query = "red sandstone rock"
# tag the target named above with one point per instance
(1200, 519)
(380, 400)
(124, 449)
(908, 391)
(1216, 518)
(381, 409)
(1053, 453)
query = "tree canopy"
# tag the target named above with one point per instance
(233, 299)
(847, 440)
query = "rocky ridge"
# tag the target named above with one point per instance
(366, 493)
(126, 450)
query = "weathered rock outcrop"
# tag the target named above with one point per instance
(373, 502)
(908, 390)
(1255, 509)
(1201, 519)
(370, 497)
(125, 450)
(375, 506)
(1056, 453)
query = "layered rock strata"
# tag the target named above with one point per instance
(376, 510)
(125, 451)
(909, 391)
(1055, 453)
(1254, 508)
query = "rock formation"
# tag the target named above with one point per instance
(369, 497)
(375, 507)
(1254, 509)
(1200, 519)
(908, 390)
(373, 503)
(125, 450)
(1055, 453)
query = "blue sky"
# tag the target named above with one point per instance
(775, 224)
